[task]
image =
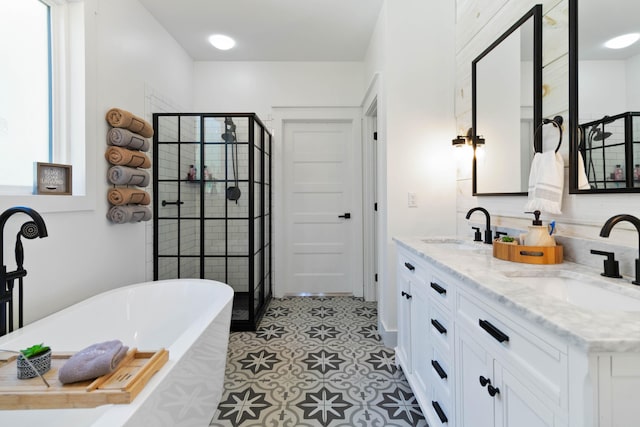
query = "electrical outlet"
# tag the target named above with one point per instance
(412, 201)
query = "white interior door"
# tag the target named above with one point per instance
(322, 208)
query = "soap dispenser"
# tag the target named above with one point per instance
(538, 235)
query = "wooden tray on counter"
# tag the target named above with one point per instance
(120, 386)
(528, 254)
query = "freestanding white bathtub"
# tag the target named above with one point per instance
(188, 317)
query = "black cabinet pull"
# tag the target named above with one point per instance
(403, 293)
(439, 411)
(409, 266)
(493, 390)
(493, 331)
(406, 295)
(438, 369)
(438, 326)
(439, 289)
(484, 381)
(345, 216)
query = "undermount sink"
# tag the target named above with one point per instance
(456, 244)
(578, 290)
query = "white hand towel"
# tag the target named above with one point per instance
(583, 181)
(546, 182)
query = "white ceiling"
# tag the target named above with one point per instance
(270, 30)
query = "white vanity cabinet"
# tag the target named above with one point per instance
(508, 375)
(459, 371)
(406, 276)
(618, 379)
(425, 346)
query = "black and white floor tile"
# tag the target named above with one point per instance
(315, 361)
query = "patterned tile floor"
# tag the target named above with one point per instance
(315, 361)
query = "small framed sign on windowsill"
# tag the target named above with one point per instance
(52, 178)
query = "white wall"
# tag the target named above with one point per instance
(412, 49)
(256, 87)
(84, 254)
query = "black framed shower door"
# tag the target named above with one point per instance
(212, 205)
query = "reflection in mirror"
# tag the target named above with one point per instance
(604, 97)
(507, 105)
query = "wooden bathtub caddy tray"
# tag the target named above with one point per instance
(120, 386)
(528, 254)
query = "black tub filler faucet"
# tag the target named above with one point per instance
(29, 230)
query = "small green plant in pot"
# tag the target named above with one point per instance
(39, 356)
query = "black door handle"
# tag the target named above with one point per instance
(345, 216)
(484, 381)
(177, 202)
(493, 390)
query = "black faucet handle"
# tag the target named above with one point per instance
(500, 234)
(611, 266)
(477, 237)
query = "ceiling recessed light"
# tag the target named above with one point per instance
(621, 42)
(222, 42)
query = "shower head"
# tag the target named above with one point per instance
(599, 135)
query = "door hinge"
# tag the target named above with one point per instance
(375, 136)
(375, 277)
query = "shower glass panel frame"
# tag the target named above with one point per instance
(201, 230)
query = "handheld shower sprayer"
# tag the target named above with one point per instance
(29, 230)
(229, 136)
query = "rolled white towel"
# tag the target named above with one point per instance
(92, 362)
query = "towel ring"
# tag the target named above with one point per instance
(557, 123)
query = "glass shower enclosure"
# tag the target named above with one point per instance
(212, 205)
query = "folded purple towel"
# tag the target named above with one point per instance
(94, 361)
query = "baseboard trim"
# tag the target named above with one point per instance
(388, 337)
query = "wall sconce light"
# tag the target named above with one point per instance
(467, 139)
(459, 141)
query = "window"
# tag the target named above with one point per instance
(26, 130)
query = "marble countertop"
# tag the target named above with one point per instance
(594, 329)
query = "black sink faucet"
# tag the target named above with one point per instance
(488, 237)
(606, 230)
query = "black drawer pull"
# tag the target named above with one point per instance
(438, 369)
(406, 295)
(438, 326)
(439, 289)
(493, 331)
(440, 412)
(409, 266)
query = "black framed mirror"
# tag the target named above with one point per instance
(604, 98)
(507, 107)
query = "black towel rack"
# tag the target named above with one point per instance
(557, 123)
